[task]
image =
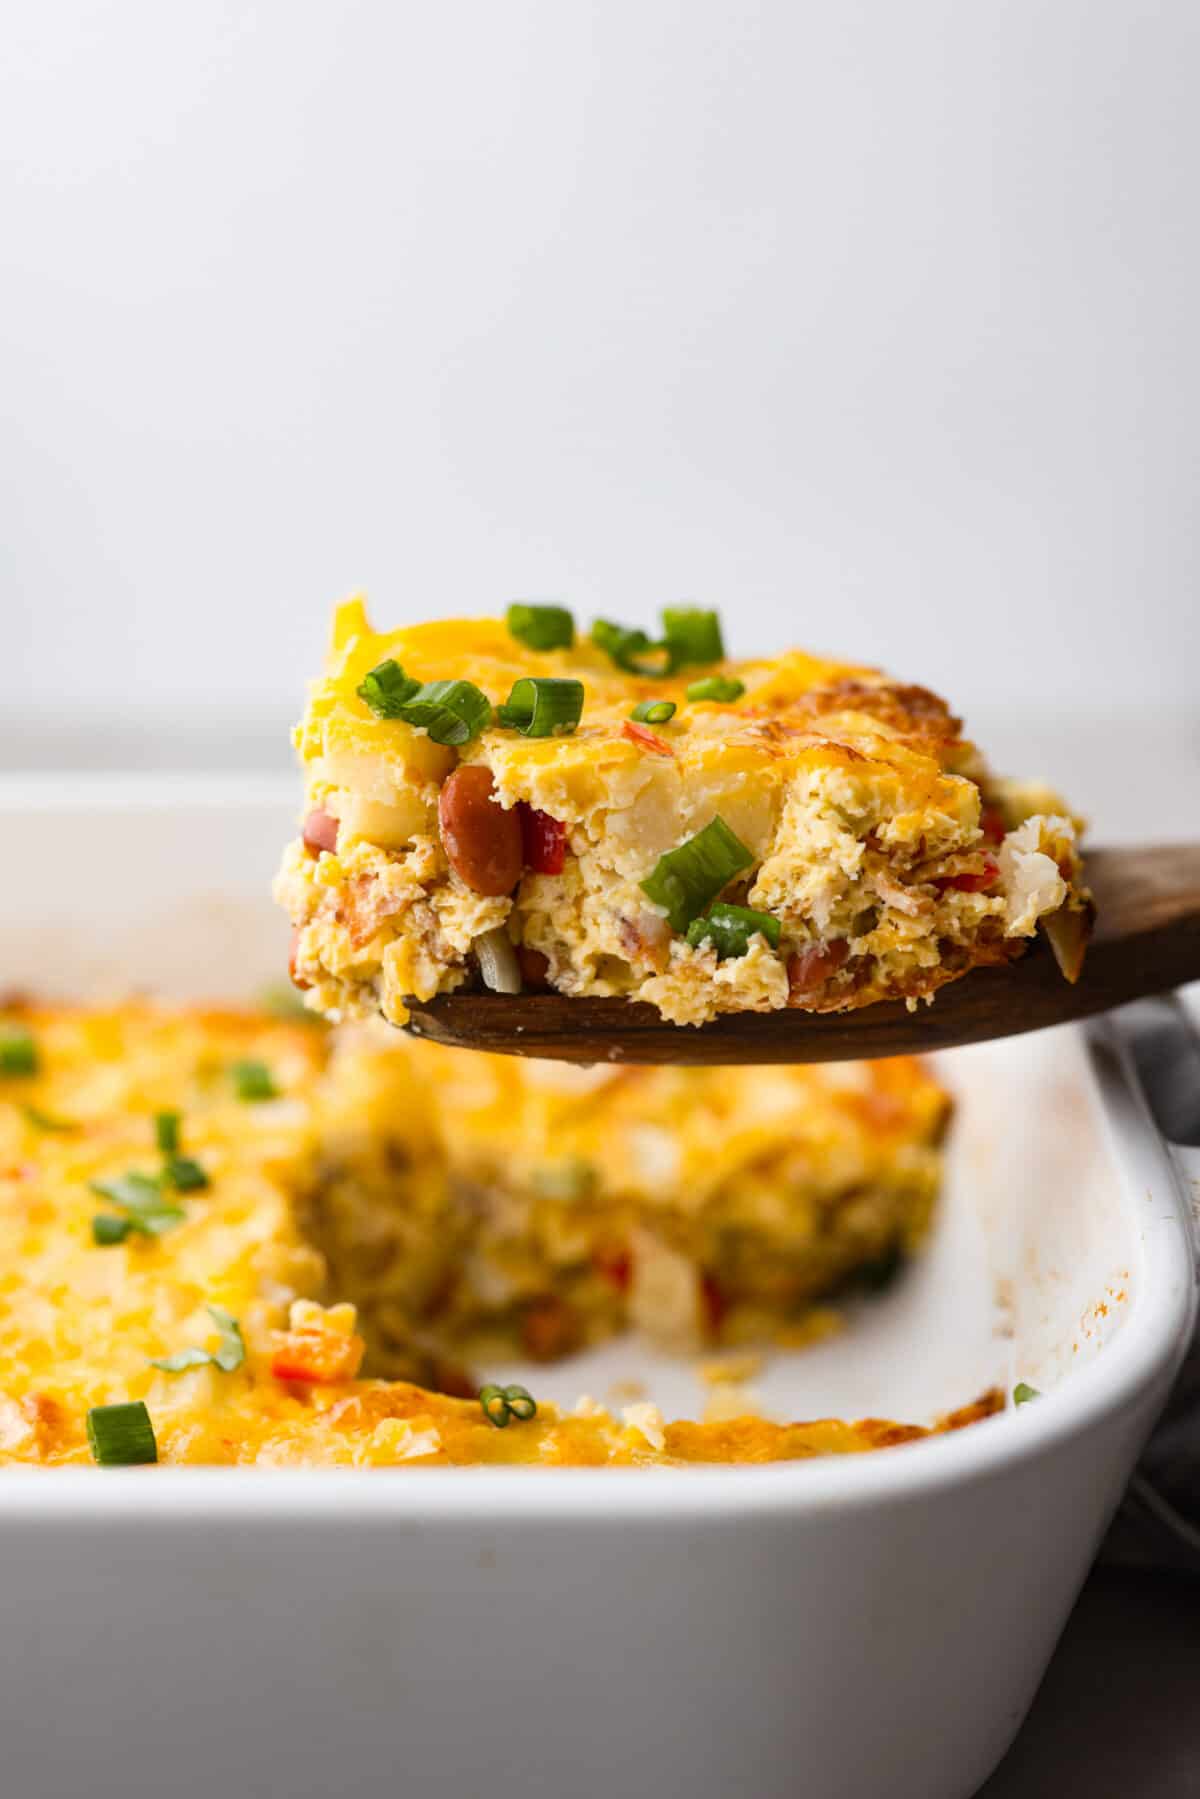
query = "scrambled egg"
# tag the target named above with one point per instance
(160, 1174)
(887, 858)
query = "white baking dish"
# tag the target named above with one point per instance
(860, 1626)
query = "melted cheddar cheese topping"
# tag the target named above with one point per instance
(83, 1323)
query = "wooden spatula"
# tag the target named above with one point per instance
(1147, 939)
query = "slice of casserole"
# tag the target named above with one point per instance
(161, 1298)
(499, 801)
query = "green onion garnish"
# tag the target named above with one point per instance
(229, 1355)
(1023, 1393)
(502, 1404)
(46, 1121)
(184, 1174)
(108, 1229)
(232, 1351)
(134, 1192)
(692, 637)
(541, 627)
(630, 649)
(183, 1358)
(121, 1436)
(721, 688)
(731, 928)
(686, 879)
(18, 1052)
(145, 1210)
(453, 712)
(540, 707)
(387, 688)
(166, 1132)
(181, 1172)
(653, 712)
(252, 1081)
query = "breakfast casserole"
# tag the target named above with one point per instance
(482, 1206)
(174, 1184)
(507, 802)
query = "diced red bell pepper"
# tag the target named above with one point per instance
(315, 1357)
(972, 883)
(646, 740)
(543, 841)
(615, 1265)
(809, 969)
(991, 823)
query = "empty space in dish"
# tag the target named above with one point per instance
(156, 886)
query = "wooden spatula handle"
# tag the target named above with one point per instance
(1148, 925)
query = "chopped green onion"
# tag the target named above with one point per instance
(181, 1172)
(230, 1354)
(495, 1406)
(731, 927)
(121, 1436)
(108, 1229)
(721, 688)
(502, 1404)
(539, 707)
(252, 1081)
(541, 627)
(1023, 1393)
(184, 1174)
(134, 1192)
(166, 1132)
(183, 1358)
(146, 1211)
(232, 1351)
(686, 879)
(630, 649)
(146, 1224)
(18, 1052)
(452, 712)
(692, 637)
(46, 1121)
(653, 712)
(387, 688)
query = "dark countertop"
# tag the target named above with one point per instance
(1118, 1713)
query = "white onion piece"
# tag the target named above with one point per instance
(1068, 934)
(498, 961)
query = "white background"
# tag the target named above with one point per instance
(874, 325)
